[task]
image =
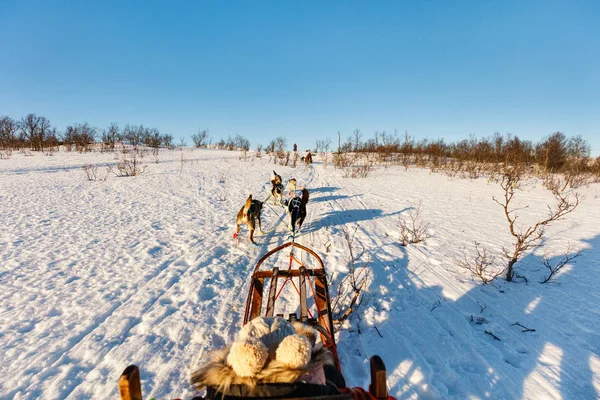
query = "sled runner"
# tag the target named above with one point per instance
(303, 273)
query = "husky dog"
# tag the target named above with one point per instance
(296, 208)
(248, 215)
(277, 189)
(292, 187)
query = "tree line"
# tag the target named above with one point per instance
(36, 133)
(555, 153)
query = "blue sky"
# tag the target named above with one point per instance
(306, 70)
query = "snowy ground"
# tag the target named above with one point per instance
(98, 275)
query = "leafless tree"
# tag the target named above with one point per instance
(168, 141)
(111, 136)
(35, 129)
(348, 298)
(529, 237)
(8, 133)
(200, 138)
(134, 135)
(357, 136)
(567, 258)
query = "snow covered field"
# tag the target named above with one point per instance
(97, 275)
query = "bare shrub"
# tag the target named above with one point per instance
(553, 269)
(480, 266)
(361, 171)
(414, 229)
(5, 154)
(130, 166)
(529, 237)
(342, 160)
(348, 298)
(222, 176)
(91, 172)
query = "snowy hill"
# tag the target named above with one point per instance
(97, 275)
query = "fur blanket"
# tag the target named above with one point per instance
(220, 376)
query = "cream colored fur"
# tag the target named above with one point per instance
(292, 363)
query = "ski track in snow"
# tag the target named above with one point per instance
(143, 270)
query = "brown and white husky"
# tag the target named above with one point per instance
(277, 189)
(248, 215)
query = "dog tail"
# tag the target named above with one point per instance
(305, 196)
(248, 204)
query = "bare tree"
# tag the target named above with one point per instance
(134, 135)
(153, 139)
(529, 237)
(8, 133)
(200, 138)
(79, 135)
(553, 269)
(348, 298)
(111, 136)
(168, 141)
(35, 129)
(357, 136)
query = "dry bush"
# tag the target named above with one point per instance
(553, 269)
(480, 266)
(348, 298)
(222, 176)
(92, 173)
(529, 237)
(130, 166)
(413, 230)
(358, 171)
(5, 154)
(342, 160)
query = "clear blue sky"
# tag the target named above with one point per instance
(305, 70)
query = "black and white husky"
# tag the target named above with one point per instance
(296, 208)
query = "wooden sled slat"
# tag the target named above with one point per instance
(129, 384)
(378, 386)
